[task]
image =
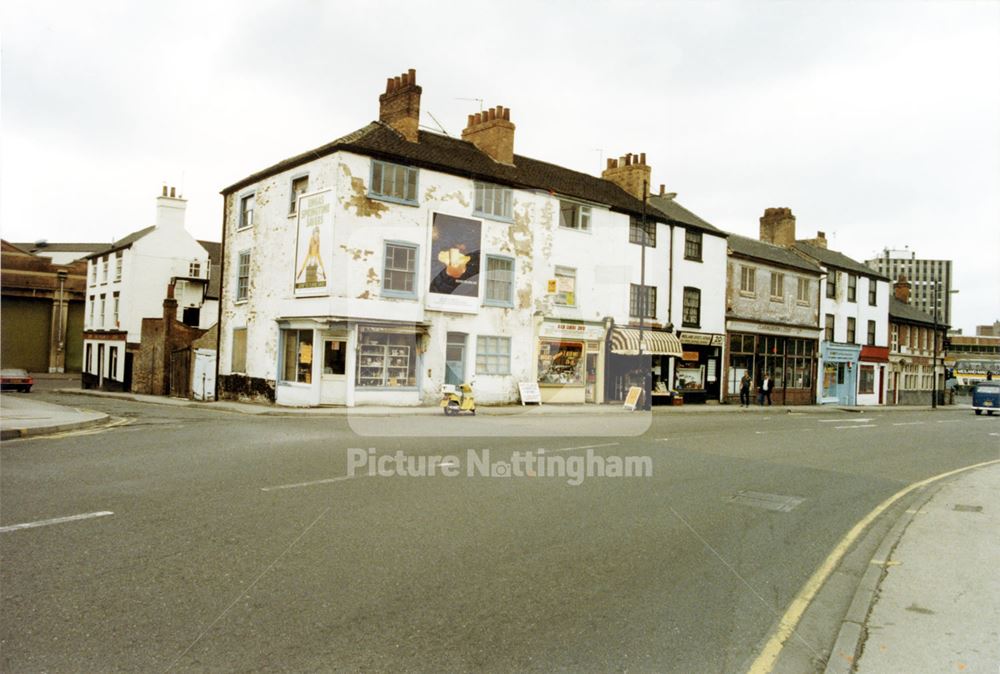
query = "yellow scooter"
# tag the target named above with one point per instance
(456, 399)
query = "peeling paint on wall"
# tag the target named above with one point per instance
(357, 253)
(459, 196)
(372, 278)
(524, 298)
(359, 200)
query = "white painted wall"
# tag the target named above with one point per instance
(606, 264)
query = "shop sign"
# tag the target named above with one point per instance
(573, 330)
(840, 354)
(632, 399)
(718, 340)
(696, 338)
(530, 393)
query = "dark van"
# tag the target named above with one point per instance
(986, 396)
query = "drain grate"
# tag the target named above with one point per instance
(757, 499)
(968, 509)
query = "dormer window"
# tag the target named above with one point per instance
(574, 216)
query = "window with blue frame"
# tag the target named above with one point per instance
(494, 201)
(499, 281)
(399, 276)
(492, 355)
(394, 182)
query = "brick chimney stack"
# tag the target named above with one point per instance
(399, 106)
(493, 133)
(777, 226)
(170, 209)
(819, 241)
(630, 173)
(901, 288)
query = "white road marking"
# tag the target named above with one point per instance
(908, 423)
(857, 427)
(838, 421)
(310, 484)
(55, 520)
(570, 449)
(950, 421)
(662, 439)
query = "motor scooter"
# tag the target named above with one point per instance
(457, 399)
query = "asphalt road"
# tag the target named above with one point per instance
(236, 543)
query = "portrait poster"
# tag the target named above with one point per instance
(455, 244)
(314, 244)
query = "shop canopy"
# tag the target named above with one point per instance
(625, 342)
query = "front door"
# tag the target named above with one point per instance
(333, 386)
(454, 359)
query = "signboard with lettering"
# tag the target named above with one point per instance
(573, 330)
(632, 399)
(530, 393)
(314, 244)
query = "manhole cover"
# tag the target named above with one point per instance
(757, 499)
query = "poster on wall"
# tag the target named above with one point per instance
(455, 244)
(314, 244)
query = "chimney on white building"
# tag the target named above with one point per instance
(170, 209)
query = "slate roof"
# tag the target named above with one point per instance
(214, 250)
(123, 243)
(746, 247)
(679, 214)
(832, 258)
(909, 313)
(459, 157)
(39, 247)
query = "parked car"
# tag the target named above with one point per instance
(16, 379)
(986, 396)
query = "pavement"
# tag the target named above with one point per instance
(497, 410)
(937, 605)
(22, 416)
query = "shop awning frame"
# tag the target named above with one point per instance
(625, 342)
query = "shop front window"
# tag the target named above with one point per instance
(866, 379)
(560, 363)
(297, 356)
(386, 359)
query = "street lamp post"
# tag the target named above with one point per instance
(935, 355)
(647, 384)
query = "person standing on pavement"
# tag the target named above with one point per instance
(745, 390)
(766, 387)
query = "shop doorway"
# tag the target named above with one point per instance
(454, 359)
(333, 384)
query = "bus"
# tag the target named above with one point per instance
(967, 372)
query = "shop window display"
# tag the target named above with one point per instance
(387, 359)
(560, 363)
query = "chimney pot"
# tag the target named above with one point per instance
(663, 189)
(493, 114)
(388, 85)
(412, 72)
(164, 190)
(173, 192)
(506, 114)
(472, 119)
(405, 79)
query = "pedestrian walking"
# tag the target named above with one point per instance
(745, 390)
(766, 387)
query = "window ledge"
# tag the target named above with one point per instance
(496, 218)
(393, 200)
(496, 304)
(574, 229)
(398, 295)
(693, 259)
(747, 293)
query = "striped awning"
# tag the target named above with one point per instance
(625, 342)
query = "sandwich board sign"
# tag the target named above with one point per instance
(632, 399)
(530, 393)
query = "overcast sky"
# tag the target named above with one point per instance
(876, 122)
